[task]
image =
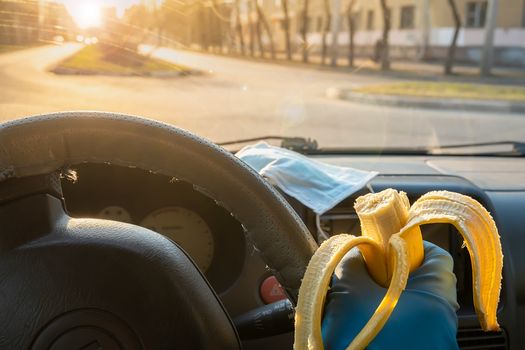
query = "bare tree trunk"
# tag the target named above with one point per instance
(267, 28)
(220, 28)
(351, 31)
(385, 57)
(250, 24)
(216, 29)
(326, 28)
(287, 30)
(188, 21)
(259, 38)
(452, 48)
(205, 24)
(239, 24)
(259, 31)
(304, 31)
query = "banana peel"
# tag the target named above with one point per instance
(392, 247)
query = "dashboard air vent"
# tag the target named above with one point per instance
(476, 339)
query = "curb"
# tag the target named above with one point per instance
(429, 103)
(155, 74)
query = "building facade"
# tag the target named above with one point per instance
(420, 29)
(19, 22)
(30, 21)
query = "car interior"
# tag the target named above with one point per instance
(130, 222)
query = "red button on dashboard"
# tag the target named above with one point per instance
(271, 290)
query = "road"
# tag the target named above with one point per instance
(239, 98)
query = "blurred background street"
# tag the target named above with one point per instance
(49, 63)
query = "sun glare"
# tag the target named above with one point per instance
(87, 14)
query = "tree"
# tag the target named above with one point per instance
(180, 21)
(250, 26)
(126, 35)
(385, 56)
(159, 25)
(326, 28)
(287, 30)
(304, 31)
(452, 48)
(204, 25)
(350, 17)
(262, 17)
(121, 39)
(239, 24)
(258, 30)
(217, 18)
(169, 16)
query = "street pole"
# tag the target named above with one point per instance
(487, 56)
(336, 24)
(425, 26)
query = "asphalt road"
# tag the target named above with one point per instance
(238, 99)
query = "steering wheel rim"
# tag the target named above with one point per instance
(46, 143)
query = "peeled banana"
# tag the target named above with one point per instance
(392, 246)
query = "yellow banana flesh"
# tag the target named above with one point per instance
(382, 215)
(392, 247)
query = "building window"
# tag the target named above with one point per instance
(356, 16)
(344, 22)
(370, 20)
(310, 25)
(476, 13)
(345, 25)
(300, 24)
(319, 23)
(407, 17)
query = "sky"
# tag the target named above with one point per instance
(86, 13)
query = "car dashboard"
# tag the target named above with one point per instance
(216, 241)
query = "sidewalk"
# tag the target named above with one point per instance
(400, 70)
(434, 71)
(456, 104)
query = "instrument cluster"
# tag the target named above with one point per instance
(207, 232)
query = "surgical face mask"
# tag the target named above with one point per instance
(315, 184)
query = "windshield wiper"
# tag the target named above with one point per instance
(491, 148)
(298, 144)
(309, 146)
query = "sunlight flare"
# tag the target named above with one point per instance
(87, 14)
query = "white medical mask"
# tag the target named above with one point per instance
(315, 184)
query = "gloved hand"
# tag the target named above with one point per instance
(424, 318)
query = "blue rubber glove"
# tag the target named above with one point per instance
(424, 318)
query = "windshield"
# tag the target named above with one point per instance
(380, 74)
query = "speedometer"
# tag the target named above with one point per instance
(187, 228)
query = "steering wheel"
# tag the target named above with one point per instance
(88, 283)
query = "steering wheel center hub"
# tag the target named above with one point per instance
(86, 329)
